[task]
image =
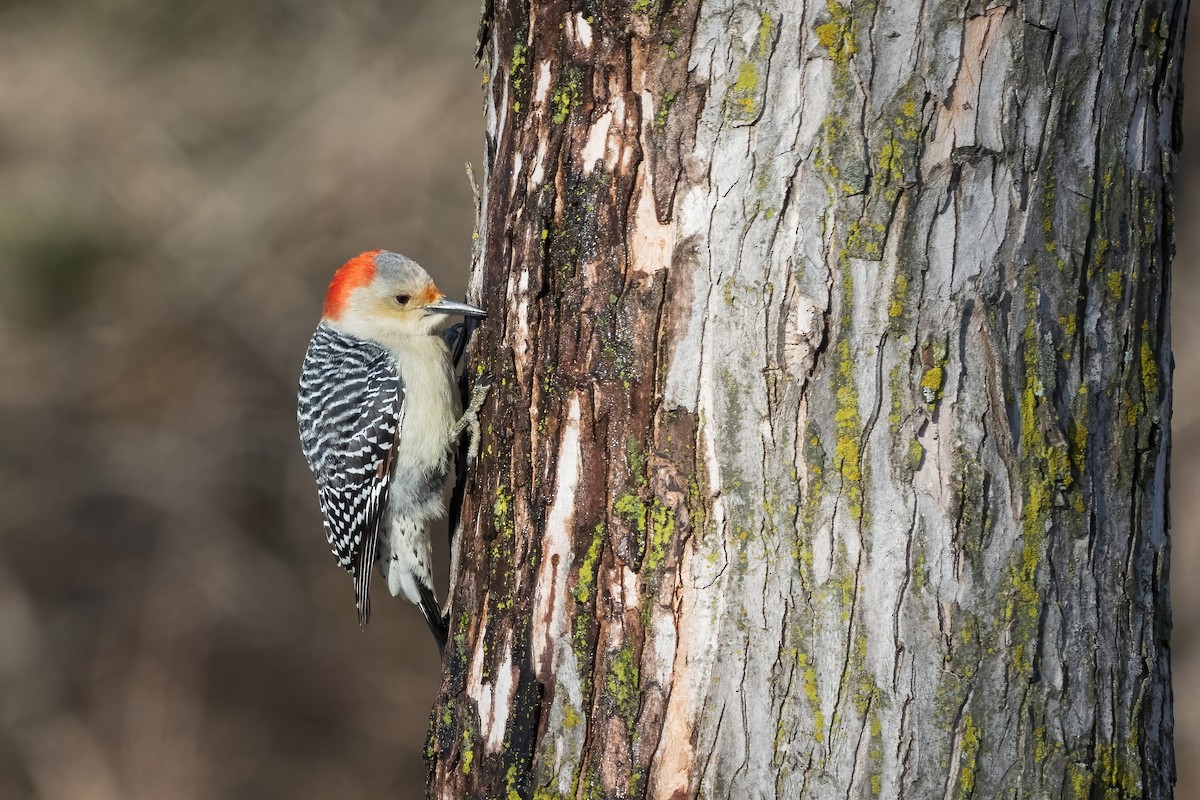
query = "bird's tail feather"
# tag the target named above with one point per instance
(362, 580)
(433, 616)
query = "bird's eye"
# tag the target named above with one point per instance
(403, 299)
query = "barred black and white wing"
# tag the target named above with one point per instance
(351, 406)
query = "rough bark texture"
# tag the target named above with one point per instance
(826, 454)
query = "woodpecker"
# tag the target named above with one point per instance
(379, 415)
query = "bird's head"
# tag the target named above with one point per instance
(380, 294)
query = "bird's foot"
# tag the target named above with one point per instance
(469, 421)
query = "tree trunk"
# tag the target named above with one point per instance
(826, 454)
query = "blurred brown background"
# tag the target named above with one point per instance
(177, 181)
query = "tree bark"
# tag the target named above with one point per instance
(826, 454)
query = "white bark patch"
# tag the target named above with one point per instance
(568, 718)
(539, 164)
(606, 140)
(957, 121)
(520, 312)
(496, 114)
(989, 211)
(814, 103)
(597, 143)
(700, 605)
(936, 476)
(518, 162)
(712, 459)
(802, 332)
(629, 588)
(541, 88)
(622, 153)
(683, 368)
(485, 694)
(660, 655)
(475, 673)
(580, 30)
(650, 243)
(550, 594)
(554, 659)
(493, 700)
(696, 625)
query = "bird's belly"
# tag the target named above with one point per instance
(423, 450)
(417, 495)
(424, 446)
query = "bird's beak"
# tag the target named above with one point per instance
(444, 306)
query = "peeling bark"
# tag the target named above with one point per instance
(826, 452)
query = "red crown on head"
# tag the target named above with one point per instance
(358, 271)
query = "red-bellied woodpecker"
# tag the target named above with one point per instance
(379, 414)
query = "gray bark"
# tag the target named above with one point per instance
(826, 455)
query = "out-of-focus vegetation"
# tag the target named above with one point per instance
(177, 183)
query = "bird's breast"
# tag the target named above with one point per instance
(431, 407)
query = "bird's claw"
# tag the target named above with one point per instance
(469, 421)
